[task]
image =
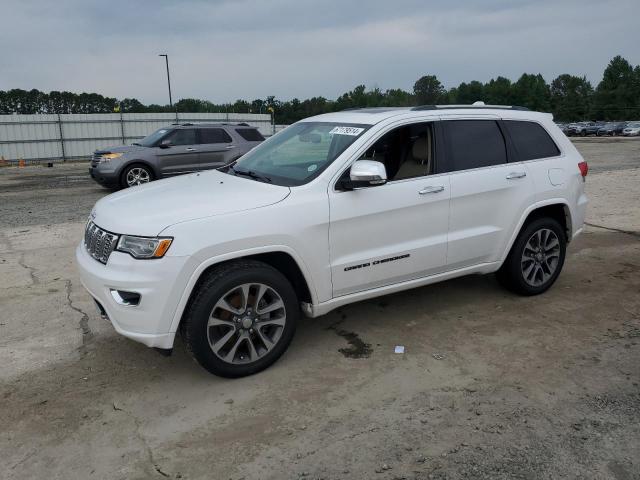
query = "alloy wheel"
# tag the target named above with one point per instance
(137, 176)
(540, 257)
(246, 323)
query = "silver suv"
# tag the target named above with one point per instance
(173, 150)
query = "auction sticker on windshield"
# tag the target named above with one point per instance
(353, 131)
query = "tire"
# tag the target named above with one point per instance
(223, 327)
(583, 133)
(528, 271)
(136, 174)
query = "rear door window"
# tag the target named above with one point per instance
(214, 135)
(474, 144)
(531, 140)
(250, 134)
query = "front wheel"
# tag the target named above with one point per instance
(241, 319)
(136, 175)
(536, 258)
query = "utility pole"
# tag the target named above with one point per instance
(166, 58)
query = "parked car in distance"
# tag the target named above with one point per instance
(632, 129)
(173, 150)
(583, 129)
(334, 209)
(611, 129)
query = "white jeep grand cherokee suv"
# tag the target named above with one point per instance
(334, 209)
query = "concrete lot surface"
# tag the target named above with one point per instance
(491, 385)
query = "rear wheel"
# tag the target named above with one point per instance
(242, 319)
(136, 174)
(536, 258)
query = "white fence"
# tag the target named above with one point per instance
(73, 136)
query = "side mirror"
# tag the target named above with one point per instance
(365, 173)
(165, 143)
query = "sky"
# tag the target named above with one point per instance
(223, 50)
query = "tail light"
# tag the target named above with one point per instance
(584, 169)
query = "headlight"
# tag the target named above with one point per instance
(107, 157)
(144, 247)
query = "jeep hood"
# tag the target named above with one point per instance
(148, 209)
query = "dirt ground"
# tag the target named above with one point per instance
(491, 385)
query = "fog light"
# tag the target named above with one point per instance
(122, 297)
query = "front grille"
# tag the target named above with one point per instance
(99, 243)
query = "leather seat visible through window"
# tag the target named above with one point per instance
(418, 163)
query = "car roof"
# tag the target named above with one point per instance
(212, 124)
(371, 116)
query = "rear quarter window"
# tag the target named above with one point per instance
(250, 134)
(531, 140)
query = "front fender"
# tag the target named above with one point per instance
(208, 262)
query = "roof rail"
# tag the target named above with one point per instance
(182, 124)
(476, 106)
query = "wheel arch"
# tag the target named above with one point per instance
(557, 208)
(283, 259)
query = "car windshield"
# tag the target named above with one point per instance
(299, 153)
(151, 140)
(634, 125)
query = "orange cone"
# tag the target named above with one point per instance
(21, 163)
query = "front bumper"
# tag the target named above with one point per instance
(106, 178)
(160, 284)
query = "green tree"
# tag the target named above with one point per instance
(617, 94)
(571, 97)
(467, 93)
(132, 105)
(499, 91)
(428, 90)
(532, 91)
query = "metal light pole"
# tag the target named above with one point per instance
(166, 58)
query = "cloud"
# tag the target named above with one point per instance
(228, 49)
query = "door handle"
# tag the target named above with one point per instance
(229, 147)
(431, 189)
(190, 149)
(514, 175)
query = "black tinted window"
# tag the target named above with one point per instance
(214, 135)
(474, 144)
(531, 140)
(250, 134)
(182, 136)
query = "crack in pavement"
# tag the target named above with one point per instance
(87, 334)
(619, 230)
(143, 440)
(32, 271)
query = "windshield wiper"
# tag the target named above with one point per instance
(136, 143)
(251, 174)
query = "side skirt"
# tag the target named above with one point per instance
(323, 308)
